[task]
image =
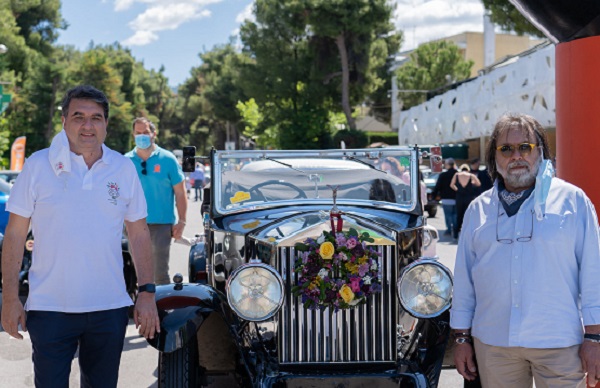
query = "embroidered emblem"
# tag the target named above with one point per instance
(59, 166)
(157, 168)
(113, 192)
(511, 198)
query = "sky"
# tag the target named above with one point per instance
(172, 33)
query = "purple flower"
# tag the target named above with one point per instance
(340, 239)
(351, 242)
(363, 269)
(376, 287)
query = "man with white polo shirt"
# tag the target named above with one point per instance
(76, 195)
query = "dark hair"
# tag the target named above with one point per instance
(475, 160)
(535, 134)
(86, 92)
(145, 121)
(382, 190)
(395, 164)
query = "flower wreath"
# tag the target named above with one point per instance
(336, 270)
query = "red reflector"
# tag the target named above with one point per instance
(201, 275)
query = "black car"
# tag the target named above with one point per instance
(311, 272)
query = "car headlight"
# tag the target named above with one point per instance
(425, 288)
(255, 292)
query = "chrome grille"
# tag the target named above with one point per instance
(361, 334)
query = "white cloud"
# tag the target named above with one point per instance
(426, 20)
(246, 14)
(161, 15)
(140, 38)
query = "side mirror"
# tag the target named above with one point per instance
(189, 159)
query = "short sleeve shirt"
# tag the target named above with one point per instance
(77, 221)
(162, 173)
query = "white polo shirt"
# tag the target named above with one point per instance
(77, 221)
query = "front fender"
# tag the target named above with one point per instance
(182, 309)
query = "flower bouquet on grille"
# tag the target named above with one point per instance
(336, 270)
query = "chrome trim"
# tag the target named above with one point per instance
(361, 334)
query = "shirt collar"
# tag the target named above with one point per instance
(59, 154)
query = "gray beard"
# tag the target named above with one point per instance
(526, 179)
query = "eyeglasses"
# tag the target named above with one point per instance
(507, 150)
(144, 171)
(510, 240)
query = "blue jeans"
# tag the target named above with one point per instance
(56, 335)
(450, 216)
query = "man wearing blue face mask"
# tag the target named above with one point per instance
(526, 303)
(164, 187)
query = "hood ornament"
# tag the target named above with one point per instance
(335, 214)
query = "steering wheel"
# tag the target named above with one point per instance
(256, 189)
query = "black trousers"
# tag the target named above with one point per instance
(56, 335)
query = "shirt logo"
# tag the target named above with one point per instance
(113, 192)
(59, 166)
(157, 168)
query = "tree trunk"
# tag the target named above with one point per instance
(50, 126)
(340, 41)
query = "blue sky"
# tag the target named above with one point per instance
(173, 32)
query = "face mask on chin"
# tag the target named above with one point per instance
(143, 141)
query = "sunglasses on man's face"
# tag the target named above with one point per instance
(508, 150)
(144, 172)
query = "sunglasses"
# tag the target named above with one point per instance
(144, 171)
(507, 150)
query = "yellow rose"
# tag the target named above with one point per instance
(346, 293)
(326, 250)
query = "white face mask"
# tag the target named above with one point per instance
(543, 180)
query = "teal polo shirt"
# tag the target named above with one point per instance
(162, 173)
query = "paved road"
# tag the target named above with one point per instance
(139, 360)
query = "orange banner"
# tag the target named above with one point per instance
(17, 154)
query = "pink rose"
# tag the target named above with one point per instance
(355, 284)
(351, 242)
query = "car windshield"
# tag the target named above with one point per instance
(249, 180)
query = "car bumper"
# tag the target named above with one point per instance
(384, 380)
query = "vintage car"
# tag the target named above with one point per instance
(311, 272)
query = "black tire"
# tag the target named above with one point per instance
(179, 369)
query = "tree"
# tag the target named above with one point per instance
(431, 66)
(364, 37)
(504, 14)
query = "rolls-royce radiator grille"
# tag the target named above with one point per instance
(361, 334)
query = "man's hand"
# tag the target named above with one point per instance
(145, 315)
(13, 314)
(177, 230)
(464, 359)
(590, 360)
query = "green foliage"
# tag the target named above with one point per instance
(504, 14)
(431, 66)
(389, 138)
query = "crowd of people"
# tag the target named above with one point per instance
(526, 303)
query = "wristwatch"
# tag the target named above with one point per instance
(150, 287)
(463, 340)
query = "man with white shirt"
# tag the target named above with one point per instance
(76, 195)
(526, 292)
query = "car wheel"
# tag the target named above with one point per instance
(179, 369)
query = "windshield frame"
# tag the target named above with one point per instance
(221, 160)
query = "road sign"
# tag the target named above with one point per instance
(4, 100)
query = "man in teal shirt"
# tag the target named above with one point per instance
(164, 187)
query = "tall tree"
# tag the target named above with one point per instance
(364, 37)
(504, 14)
(431, 66)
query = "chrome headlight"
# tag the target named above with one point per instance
(425, 288)
(255, 292)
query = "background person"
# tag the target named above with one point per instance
(526, 289)
(442, 191)
(77, 194)
(198, 176)
(466, 186)
(482, 175)
(164, 186)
